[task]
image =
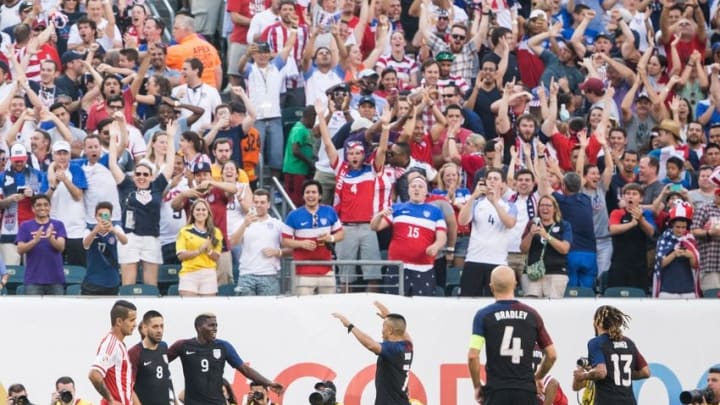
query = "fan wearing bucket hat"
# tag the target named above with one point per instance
(677, 257)
(17, 185)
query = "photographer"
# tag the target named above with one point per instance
(65, 393)
(713, 386)
(325, 394)
(258, 395)
(17, 395)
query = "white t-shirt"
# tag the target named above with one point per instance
(259, 22)
(522, 220)
(101, 187)
(104, 41)
(70, 212)
(171, 221)
(334, 125)
(258, 236)
(489, 236)
(10, 16)
(234, 215)
(203, 96)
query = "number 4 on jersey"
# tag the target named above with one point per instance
(511, 346)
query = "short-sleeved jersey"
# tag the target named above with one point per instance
(415, 227)
(153, 384)
(392, 373)
(203, 367)
(190, 238)
(360, 193)
(300, 224)
(509, 330)
(621, 358)
(113, 362)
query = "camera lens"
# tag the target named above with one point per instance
(66, 396)
(258, 396)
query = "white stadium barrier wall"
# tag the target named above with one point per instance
(296, 342)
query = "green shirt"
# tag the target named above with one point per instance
(301, 135)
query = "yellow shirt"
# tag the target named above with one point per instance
(190, 239)
(216, 172)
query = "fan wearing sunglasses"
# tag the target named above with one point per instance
(140, 200)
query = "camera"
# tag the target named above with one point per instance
(325, 396)
(21, 400)
(583, 362)
(693, 396)
(258, 395)
(66, 397)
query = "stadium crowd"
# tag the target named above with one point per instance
(576, 142)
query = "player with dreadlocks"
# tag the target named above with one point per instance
(614, 360)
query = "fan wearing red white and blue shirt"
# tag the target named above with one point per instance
(203, 361)
(308, 230)
(419, 232)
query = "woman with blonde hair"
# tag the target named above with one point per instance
(157, 151)
(546, 241)
(198, 247)
(450, 187)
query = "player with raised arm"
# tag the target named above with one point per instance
(614, 360)
(203, 361)
(111, 373)
(395, 355)
(509, 330)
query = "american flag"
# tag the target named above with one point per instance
(666, 244)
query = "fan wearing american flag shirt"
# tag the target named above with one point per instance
(677, 258)
(419, 232)
(111, 372)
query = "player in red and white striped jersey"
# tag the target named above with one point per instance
(111, 372)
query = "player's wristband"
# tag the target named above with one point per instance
(350, 328)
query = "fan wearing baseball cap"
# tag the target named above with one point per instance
(65, 184)
(17, 185)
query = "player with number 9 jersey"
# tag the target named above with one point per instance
(509, 330)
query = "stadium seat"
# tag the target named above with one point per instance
(72, 289)
(711, 293)
(624, 292)
(582, 292)
(167, 276)
(173, 291)
(226, 290)
(3, 291)
(74, 274)
(455, 291)
(439, 291)
(17, 277)
(139, 289)
(20, 289)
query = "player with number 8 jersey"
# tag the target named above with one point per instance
(614, 360)
(509, 330)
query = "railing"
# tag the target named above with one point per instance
(286, 200)
(170, 9)
(400, 265)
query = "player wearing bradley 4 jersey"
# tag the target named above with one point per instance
(509, 329)
(111, 373)
(203, 360)
(150, 370)
(614, 359)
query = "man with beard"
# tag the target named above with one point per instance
(525, 125)
(150, 370)
(158, 55)
(362, 189)
(696, 138)
(462, 48)
(368, 84)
